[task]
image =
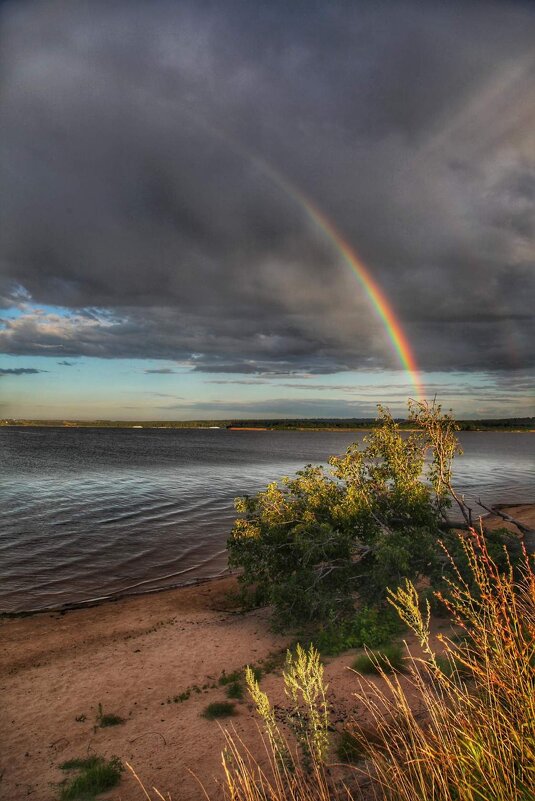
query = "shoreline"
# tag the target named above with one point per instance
(91, 603)
(296, 429)
(156, 660)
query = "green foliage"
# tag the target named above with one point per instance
(385, 660)
(219, 709)
(450, 667)
(310, 545)
(371, 626)
(96, 776)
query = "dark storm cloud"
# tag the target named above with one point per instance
(132, 191)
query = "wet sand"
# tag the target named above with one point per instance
(131, 656)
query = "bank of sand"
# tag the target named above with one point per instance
(132, 656)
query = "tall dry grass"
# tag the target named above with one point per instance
(459, 727)
(472, 737)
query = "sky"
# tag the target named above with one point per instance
(269, 209)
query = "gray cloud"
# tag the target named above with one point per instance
(135, 191)
(161, 371)
(20, 371)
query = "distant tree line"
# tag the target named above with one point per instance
(289, 424)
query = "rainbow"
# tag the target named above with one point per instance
(375, 294)
(378, 300)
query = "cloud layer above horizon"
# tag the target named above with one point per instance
(148, 153)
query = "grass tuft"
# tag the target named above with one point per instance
(104, 721)
(219, 709)
(81, 764)
(229, 678)
(96, 776)
(235, 690)
(388, 659)
(348, 748)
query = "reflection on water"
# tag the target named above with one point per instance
(92, 512)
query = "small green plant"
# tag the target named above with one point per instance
(95, 775)
(348, 748)
(235, 690)
(229, 678)
(104, 721)
(219, 709)
(387, 659)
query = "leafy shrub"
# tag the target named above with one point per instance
(469, 741)
(229, 678)
(312, 544)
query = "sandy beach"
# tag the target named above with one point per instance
(136, 657)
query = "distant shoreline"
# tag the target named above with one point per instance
(255, 426)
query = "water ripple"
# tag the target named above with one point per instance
(91, 513)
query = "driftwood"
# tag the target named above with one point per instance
(527, 534)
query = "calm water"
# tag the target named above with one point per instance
(91, 512)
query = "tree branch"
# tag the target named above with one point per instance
(527, 534)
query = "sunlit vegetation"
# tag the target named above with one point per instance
(459, 727)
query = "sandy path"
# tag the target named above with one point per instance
(131, 656)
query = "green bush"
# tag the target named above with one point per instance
(311, 545)
(229, 678)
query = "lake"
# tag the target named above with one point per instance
(91, 512)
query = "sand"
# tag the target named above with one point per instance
(131, 656)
